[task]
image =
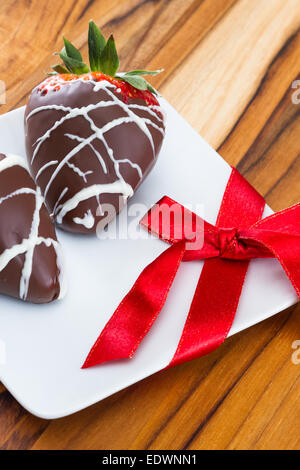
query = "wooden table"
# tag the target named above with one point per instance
(229, 66)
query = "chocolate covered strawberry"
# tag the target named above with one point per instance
(30, 260)
(92, 135)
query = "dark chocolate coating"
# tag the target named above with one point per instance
(127, 141)
(16, 220)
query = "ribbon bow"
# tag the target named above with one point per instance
(228, 247)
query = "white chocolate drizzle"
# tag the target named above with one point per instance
(17, 193)
(43, 168)
(150, 109)
(88, 220)
(120, 185)
(56, 207)
(77, 170)
(100, 158)
(27, 267)
(133, 165)
(27, 246)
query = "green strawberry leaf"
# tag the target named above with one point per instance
(136, 81)
(96, 42)
(74, 66)
(72, 51)
(143, 72)
(109, 58)
(59, 68)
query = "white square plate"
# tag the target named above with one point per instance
(45, 346)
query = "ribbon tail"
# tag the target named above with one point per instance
(212, 310)
(137, 312)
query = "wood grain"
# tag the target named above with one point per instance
(229, 66)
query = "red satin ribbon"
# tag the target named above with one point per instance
(228, 247)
